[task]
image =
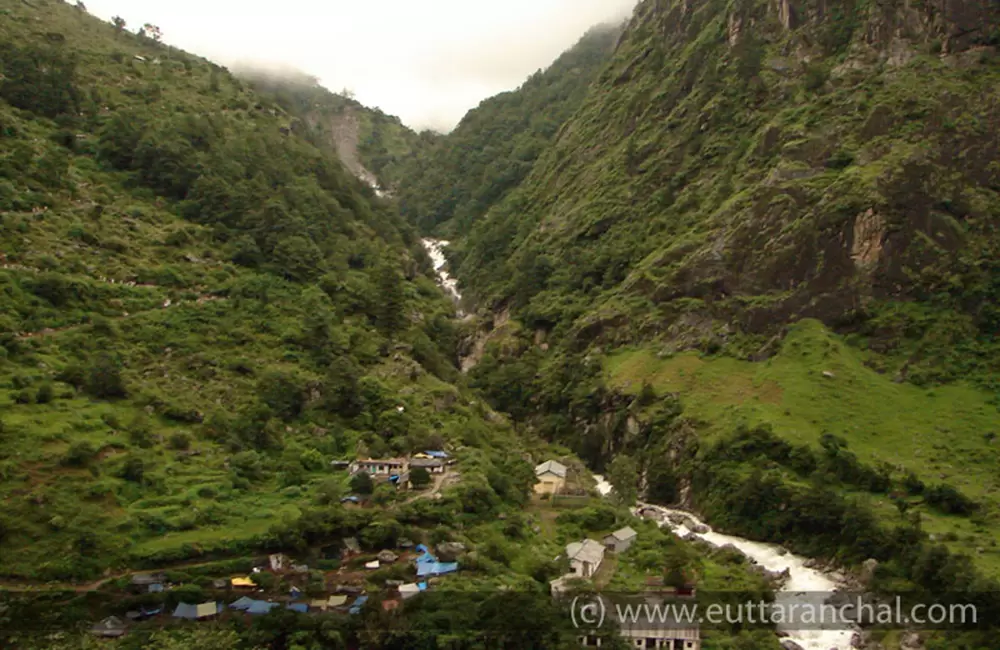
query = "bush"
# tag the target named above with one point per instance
(948, 499)
(79, 454)
(362, 483)
(180, 441)
(104, 378)
(45, 393)
(420, 477)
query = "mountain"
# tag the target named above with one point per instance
(371, 144)
(450, 184)
(780, 220)
(206, 316)
(751, 164)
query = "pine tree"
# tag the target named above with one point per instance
(390, 310)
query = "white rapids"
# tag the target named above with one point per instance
(435, 248)
(802, 580)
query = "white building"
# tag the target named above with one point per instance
(585, 557)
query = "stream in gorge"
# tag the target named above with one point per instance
(804, 584)
(435, 248)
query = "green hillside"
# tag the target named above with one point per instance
(721, 180)
(449, 185)
(759, 260)
(366, 139)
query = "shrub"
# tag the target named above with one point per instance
(104, 378)
(362, 483)
(79, 454)
(180, 441)
(948, 499)
(45, 393)
(420, 477)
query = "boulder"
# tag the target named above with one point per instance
(788, 644)
(701, 529)
(449, 551)
(910, 641)
(868, 568)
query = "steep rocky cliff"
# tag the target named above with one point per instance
(739, 165)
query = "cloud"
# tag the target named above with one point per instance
(427, 62)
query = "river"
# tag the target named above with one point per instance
(435, 248)
(802, 580)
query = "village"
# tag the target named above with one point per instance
(282, 583)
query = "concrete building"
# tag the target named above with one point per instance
(620, 540)
(550, 477)
(585, 557)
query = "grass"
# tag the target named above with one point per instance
(945, 434)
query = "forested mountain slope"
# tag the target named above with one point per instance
(739, 165)
(371, 144)
(201, 309)
(448, 186)
(760, 260)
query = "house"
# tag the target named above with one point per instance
(585, 557)
(651, 629)
(620, 540)
(550, 477)
(110, 627)
(374, 564)
(379, 467)
(155, 588)
(409, 590)
(242, 583)
(432, 465)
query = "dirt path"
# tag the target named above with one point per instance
(82, 587)
(434, 488)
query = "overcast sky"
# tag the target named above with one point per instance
(427, 61)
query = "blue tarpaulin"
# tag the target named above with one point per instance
(436, 568)
(302, 608)
(356, 607)
(420, 548)
(155, 588)
(242, 604)
(261, 607)
(436, 454)
(422, 586)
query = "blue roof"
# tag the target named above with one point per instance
(356, 607)
(243, 603)
(436, 568)
(302, 608)
(261, 607)
(436, 454)
(422, 586)
(186, 610)
(294, 591)
(155, 588)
